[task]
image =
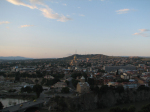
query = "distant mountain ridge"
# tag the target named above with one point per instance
(14, 58)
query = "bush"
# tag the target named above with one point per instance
(104, 88)
(143, 87)
(65, 90)
(115, 109)
(12, 90)
(124, 110)
(120, 89)
(132, 108)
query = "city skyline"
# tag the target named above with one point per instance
(59, 28)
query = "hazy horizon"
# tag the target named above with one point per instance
(59, 28)
(71, 55)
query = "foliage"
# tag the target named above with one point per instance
(49, 82)
(104, 89)
(102, 71)
(67, 82)
(85, 76)
(43, 81)
(1, 106)
(90, 81)
(17, 76)
(118, 109)
(75, 82)
(124, 110)
(142, 87)
(96, 89)
(79, 74)
(58, 76)
(36, 81)
(75, 75)
(12, 90)
(145, 108)
(117, 73)
(120, 89)
(27, 89)
(132, 108)
(52, 81)
(123, 80)
(37, 89)
(115, 109)
(61, 104)
(65, 90)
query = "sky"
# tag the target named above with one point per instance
(59, 28)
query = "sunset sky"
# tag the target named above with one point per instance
(59, 28)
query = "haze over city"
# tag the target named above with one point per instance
(59, 28)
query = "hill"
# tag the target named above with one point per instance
(14, 58)
(90, 56)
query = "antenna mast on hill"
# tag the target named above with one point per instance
(76, 52)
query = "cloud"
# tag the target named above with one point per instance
(142, 33)
(47, 12)
(143, 30)
(122, 11)
(64, 4)
(26, 26)
(81, 15)
(19, 2)
(4, 22)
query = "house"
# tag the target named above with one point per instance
(83, 87)
(126, 76)
(130, 85)
(2, 78)
(59, 85)
(48, 77)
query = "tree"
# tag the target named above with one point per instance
(120, 89)
(124, 110)
(36, 81)
(65, 90)
(117, 73)
(28, 89)
(132, 108)
(91, 81)
(1, 106)
(17, 77)
(67, 82)
(115, 109)
(75, 82)
(104, 88)
(37, 89)
(145, 108)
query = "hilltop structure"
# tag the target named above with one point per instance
(74, 62)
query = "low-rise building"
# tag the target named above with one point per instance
(59, 85)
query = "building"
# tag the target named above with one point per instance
(74, 62)
(115, 68)
(48, 77)
(59, 85)
(83, 87)
(126, 76)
